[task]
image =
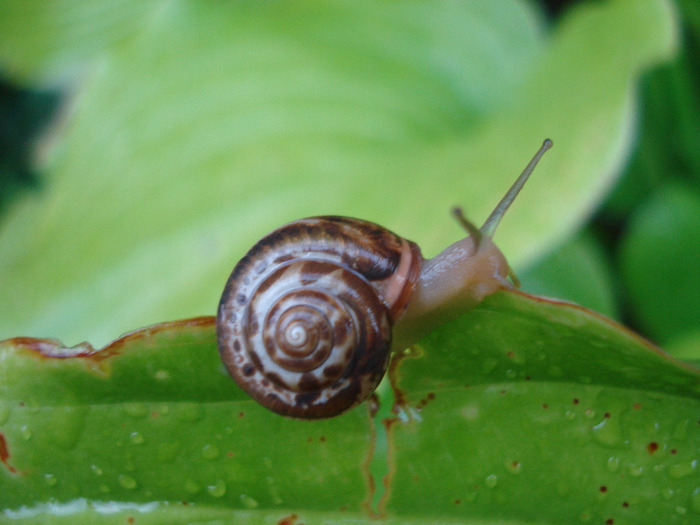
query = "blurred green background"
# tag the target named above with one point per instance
(145, 146)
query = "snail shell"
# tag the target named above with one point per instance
(304, 323)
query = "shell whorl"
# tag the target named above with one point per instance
(304, 323)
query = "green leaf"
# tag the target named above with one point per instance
(522, 410)
(578, 271)
(196, 128)
(660, 257)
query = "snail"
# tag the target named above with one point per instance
(309, 317)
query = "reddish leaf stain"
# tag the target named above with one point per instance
(606, 415)
(603, 488)
(545, 406)
(458, 501)
(609, 521)
(637, 406)
(674, 451)
(625, 504)
(5, 455)
(427, 399)
(652, 447)
(130, 519)
(289, 520)
(575, 401)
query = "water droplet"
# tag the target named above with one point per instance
(267, 462)
(667, 493)
(218, 489)
(555, 371)
(695, 500)
(136, 410)
(273, 491)
(589, 413)
(136, 438)
(492, 481)
(25, 433)
(681, 510)
(569, 415)
(97, 470)
(163, 409)
(104, 489)
(192, 487)
(210, 451)
(514, 466)
(190, 412)
(613, 464)
(248, 502)
(65, 425)
(511, 374)
(127, 481)
(635, 470)
(162, 375)
(608, 432)
(470, 412)
(50, 479)
(4, 413)
(488, 365)
(517, 357)
(682, 470)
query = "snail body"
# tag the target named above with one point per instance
(309, 317)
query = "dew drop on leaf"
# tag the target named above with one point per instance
(135, 410)
(613, 464)
(127, 481)
(192, 487)
(682, 470)
(218, 489)
(210, 451)
(50, 479)
(695, 500)
(248, 502)
(4, 413)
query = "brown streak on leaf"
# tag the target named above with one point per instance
(5, 454)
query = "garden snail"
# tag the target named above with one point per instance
(305, 321)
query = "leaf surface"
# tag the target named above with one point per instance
(522, 410)
(196, 128)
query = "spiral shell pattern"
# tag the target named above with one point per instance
(304, 323)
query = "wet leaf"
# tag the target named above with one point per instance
(511, 408)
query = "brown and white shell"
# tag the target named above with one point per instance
(304, 322)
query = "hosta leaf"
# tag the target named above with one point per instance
(523, 410)
(195, 128)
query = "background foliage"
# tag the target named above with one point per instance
(145, 146)
(171, 155)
